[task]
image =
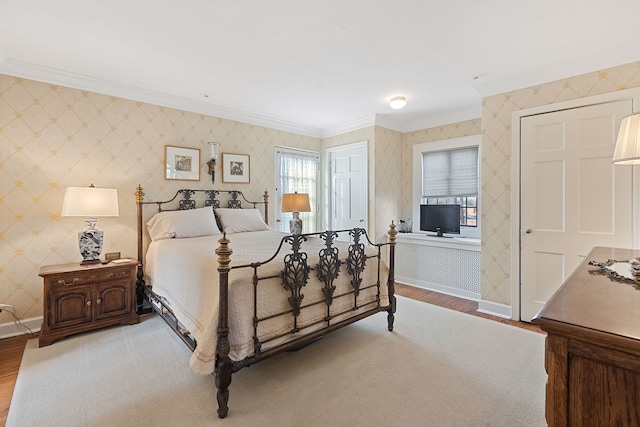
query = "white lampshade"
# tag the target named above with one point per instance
(295, 202)
(90, 202)
(398, 102)
(627, 149)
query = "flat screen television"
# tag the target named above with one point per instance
(440, 219)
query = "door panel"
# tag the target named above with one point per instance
(348, 188)
(572, 197)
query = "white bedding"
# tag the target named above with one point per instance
(184, 271)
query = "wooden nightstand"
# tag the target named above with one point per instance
(80, 298)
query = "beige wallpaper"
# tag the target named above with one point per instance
(388, 179)
(53, 137)
(497, 161)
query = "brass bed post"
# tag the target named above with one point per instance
(140, 272)
(224, 366)
(265, 196)
(391, 283)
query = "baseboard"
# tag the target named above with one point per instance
(494, 309)
(437, 288)
(12, 329)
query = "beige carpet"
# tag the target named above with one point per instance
(438, 368)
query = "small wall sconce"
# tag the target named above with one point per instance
(213, 152)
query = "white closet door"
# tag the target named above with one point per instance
(572, 197)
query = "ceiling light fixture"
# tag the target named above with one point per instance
(398, 102)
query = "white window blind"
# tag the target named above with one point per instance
(450, 173)
(296, 171)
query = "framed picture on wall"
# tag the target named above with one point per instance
(182, 163)
(235, 168)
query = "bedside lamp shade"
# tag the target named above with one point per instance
(90, 202)
(627, 149)
(296, 203)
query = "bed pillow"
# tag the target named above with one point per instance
(239, 220)
(184, 223)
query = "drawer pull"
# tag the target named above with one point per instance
(63, 282)
(121, 274)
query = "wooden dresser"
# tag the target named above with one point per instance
(593, 347)
(80, 298)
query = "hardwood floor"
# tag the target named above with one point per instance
(11, 349)
(458, 304)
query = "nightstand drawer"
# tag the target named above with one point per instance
(97, 276)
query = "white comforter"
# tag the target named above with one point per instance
(184, 271)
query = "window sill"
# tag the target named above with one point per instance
(465, 243)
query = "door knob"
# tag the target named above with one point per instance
(529, 231)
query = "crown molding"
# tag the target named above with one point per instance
(45, 74)
(389, 122)
(568, 68)
(447, 118)
(433, 120)
(77, 81)
(349, 126)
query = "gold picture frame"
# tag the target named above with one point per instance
(235, 168)
(182, 163)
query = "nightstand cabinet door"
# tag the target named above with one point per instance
(70, 306)
(80, 298)
(113, 299)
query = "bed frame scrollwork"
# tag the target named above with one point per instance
(295, 272)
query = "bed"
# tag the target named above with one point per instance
(238, 292)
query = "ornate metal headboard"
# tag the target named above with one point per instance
(192, 199)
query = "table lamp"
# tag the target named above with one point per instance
(90, 202)
(627, 151)
(296, 203)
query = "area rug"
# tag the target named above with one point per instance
(437, 368)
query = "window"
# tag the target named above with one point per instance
(447, 172)
(296, 171)
(451, 177)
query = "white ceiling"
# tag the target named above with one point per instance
(315, 67)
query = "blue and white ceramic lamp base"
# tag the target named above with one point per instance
(90, 242)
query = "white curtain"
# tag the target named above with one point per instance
(296, 171)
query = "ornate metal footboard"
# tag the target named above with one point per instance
(296, 266)
(294, 276)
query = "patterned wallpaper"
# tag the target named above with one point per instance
(388, 179)
(53, 137)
